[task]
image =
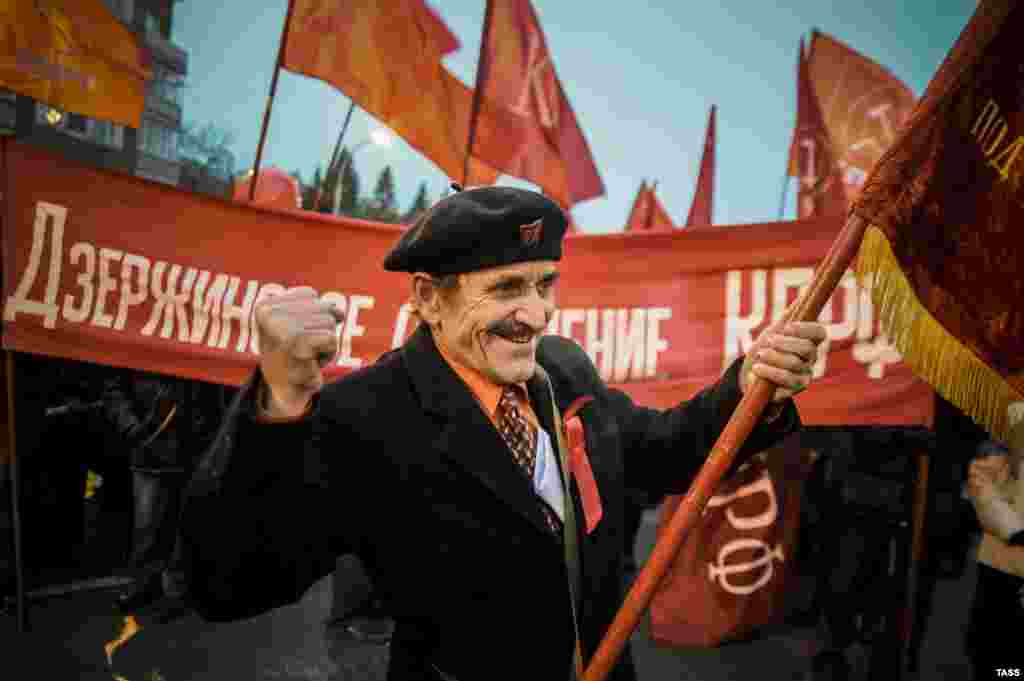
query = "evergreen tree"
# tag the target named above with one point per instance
(315, 184)
(349, 199)
(384, 206)
(309, 193)
(420, 204)
(384, 194)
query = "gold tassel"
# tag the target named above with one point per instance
(931, 352)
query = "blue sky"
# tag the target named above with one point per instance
(641, 77)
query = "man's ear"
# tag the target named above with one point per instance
(426, 298)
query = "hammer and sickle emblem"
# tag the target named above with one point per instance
(530, 234)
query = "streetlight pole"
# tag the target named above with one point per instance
(334, 154)
(379, 137)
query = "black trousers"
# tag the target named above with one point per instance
(995, 630)
(157, 513)
(857, 562)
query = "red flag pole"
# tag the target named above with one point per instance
(270, 99)
(475, 110)
(742, 422)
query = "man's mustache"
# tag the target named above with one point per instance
(510, 328)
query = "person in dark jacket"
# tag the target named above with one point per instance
(162, 423)
(441, 464)
(995, 486)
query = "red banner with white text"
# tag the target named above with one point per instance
(107, 268)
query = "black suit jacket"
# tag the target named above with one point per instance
(399, 464)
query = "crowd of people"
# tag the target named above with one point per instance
(105, 456)
(222, 521)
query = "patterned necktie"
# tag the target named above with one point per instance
(521, 437)
(518, 433)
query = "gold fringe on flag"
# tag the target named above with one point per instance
(932, 352)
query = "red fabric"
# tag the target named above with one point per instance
(579, 465)
(702, 208)
(274, 188)
(658, 219)
(647, 214)
(637, 219)
(546, 145)
(387, 56)
(75, 56)
(154, 278)
(811, 156)
(732, 572)
(863, 106)
(948, 197)
(441, 35)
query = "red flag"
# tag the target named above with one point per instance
(703, 196)
(647, 213)
(810, 153)
(863, 106)
(945, 205)
(75, 56)
(386, 55)
(440, 34)
(516, 72)
(637, 213)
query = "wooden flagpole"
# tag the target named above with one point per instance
(742, 422)
(475, 110)
(914, 564)
(332, 164)
(270, 99)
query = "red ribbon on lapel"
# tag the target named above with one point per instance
(579, 464)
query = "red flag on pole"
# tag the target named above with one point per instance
(75, 56)
(386, 55)
(638, 212)
(702, 208)
(863, 106)
(945, 205)
(810, 153)
(659, 220)
(647, 213)
(937, 227)
(516, 73)
(440, 35)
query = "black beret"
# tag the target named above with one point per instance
(992, 448)
(480, 228)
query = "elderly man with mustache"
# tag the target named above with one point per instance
(444, 463)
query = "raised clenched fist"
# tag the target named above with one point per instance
(298, 337)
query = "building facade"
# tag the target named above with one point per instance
(152, 150)
(156, 143)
